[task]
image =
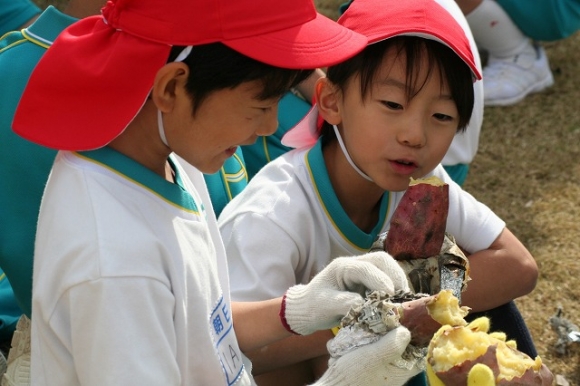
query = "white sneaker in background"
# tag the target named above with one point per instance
(18, 371)
(507, 81)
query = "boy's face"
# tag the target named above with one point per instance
(390, 138)
(226, 119)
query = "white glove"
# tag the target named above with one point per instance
(323, 302)
(373, 364)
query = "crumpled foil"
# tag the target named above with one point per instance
(370, 321)
(448, 270)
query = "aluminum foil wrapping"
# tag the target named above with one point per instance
(369, 322)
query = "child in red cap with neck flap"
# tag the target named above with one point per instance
(130, 281)
(381, 117)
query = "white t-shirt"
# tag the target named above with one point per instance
(130, 283)
(288, 224)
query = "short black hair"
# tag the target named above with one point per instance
(452, 69)
(215, 66)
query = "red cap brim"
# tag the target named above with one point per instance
(320, 42)
(98, 104)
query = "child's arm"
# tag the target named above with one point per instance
(318, 305)
(258, 323)
(289, 351)
(501, 273)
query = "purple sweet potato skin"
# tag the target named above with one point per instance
(418, 225)
(457, 375)
(531, 378)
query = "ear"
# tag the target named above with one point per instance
(169, 83)
(327, 98)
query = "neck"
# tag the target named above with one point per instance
(360, 199)
(140, 141)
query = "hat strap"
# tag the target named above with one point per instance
(183, 54)
(345, 152)
(161, 127)
(180, 58)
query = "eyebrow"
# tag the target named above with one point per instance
(401, 85)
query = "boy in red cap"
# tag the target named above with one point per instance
(130, 283)
(385, 116)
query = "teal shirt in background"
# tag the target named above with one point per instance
(14, 13)
(24, 166)
(458, 173)
(228, 182)
(545, 20)
(9, 310)
(291, 109)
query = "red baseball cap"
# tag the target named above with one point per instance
(383, 19)
(96, 76)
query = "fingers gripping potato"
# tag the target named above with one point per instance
(423, 317)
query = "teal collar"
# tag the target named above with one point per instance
(48, 26)
(124, 166)
(334, 210)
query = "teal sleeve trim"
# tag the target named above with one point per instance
(458, 173)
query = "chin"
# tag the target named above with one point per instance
(210, 169)
(206, 168)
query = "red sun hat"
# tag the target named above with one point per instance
(96, 76)
(423, 18)
(384, 19)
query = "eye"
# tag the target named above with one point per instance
(268, 105)
(392, 105)
(443, 117)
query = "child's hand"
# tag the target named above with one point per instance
(323, 302)
(378, 363)
(417, 319)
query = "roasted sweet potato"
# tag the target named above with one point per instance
(418, 225)
(455, 351)
(423, 317)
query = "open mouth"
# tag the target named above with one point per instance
(405, 163)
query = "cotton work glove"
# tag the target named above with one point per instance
(378, 363)
(323, 302)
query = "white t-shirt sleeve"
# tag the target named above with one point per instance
(474, 225)
(261, 257)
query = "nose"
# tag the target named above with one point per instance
(270, 123)
(413, 133)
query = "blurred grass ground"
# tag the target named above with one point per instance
(528, 171)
